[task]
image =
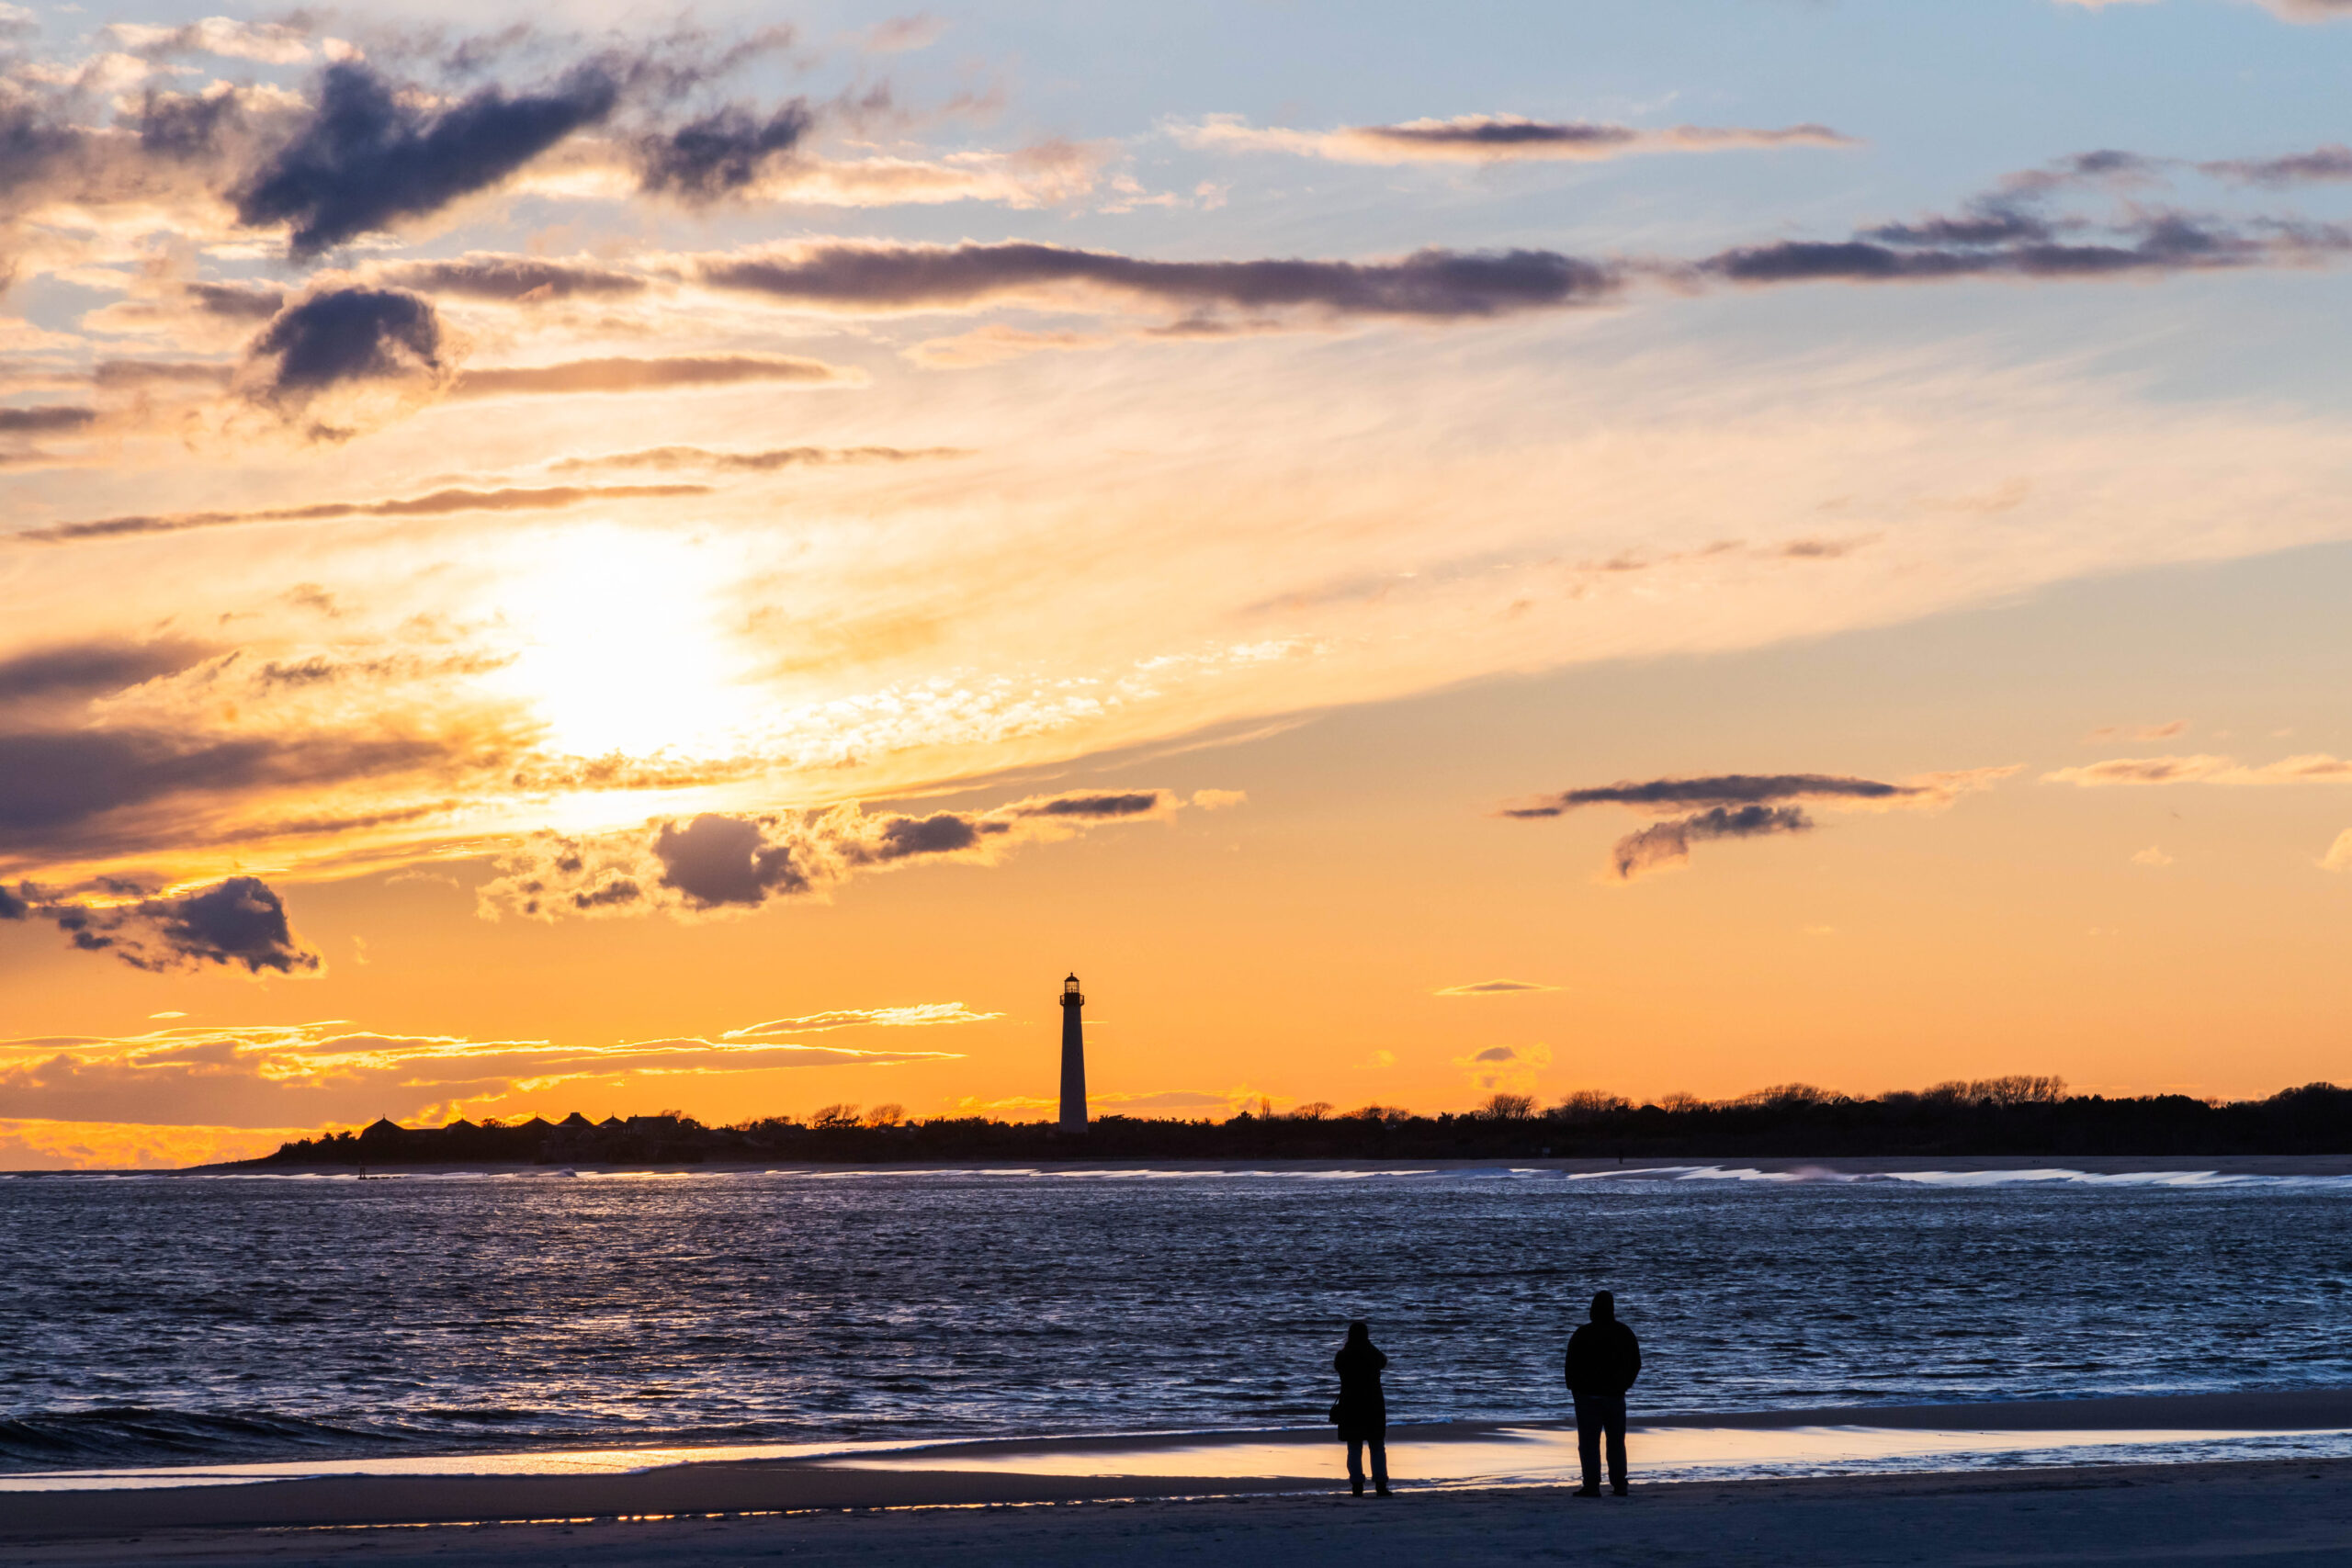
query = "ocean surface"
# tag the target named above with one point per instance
(161, 1320)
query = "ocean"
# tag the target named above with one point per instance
(164, 1320)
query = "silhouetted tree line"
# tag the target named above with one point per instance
(2022, 1115)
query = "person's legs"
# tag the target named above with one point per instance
(1616, 1425)
(1380, 1461)
(1355, 1464)
(1589, 1441)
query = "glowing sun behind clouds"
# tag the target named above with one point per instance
(623, 644)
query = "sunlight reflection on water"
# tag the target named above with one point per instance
(157, 1321)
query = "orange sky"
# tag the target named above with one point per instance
(724, 609)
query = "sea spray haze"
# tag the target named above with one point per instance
(152, 1320)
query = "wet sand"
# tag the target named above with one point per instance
(1676, 1453)
(2294, 1513)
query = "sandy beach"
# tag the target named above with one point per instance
(2053, 1481)
(2283, 1513)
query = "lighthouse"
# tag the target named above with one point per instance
(1073, 1058)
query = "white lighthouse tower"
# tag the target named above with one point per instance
(1073, 1058)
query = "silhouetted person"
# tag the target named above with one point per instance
(1362, 1413)
(1603, 1361)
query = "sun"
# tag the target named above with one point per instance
(623, 644)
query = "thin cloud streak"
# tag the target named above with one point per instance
(1743, 806)
(878, 278)
(321, 1074)
(921, 1015)
(439, 503)
(627, 375)
(671, 459)
(2204, 768)
(1488, 139)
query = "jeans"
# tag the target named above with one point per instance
(1597, 1413)
(1379, 1444)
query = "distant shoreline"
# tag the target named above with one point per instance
(2030, 1117)
(1823, 1167)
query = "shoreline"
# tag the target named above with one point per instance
(2295, 1513)
(1673, 1448)
(1816, 1167)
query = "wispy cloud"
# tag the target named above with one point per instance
(1744, 806)
(2164, 731)
(1486, 139)
(919, 1015)
(2011, 232)
(1493, 988)
(627, 375)
(719, 862)
(881, 279)
(1508, 1068)
(2204, 768)
(439, 503)
(671, 458)
(312, 1075)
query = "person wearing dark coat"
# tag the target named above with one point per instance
(1362, 1413)
(1603, 1361)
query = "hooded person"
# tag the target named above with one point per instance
(1362, 1413)
(1603, 1361)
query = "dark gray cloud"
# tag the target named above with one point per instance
(346, 336)
(368, 156)
(741, 859)
(2163, 245)
(2108, 168)
(2329, 163)
(185, 127)
(717, 860)
(1495, 138)
(235, 301)
(904, 837)
(1508, 136)
(139, 376)
(90, 669)
(1130, 803)
(45, 420)
(238, 923)
(53, 780)
(1721, 790)
(2010, 232)
(668, 458)
(1745, 805)
(439, 503)
(1669, 843)
(62, 791)
(1432, 284)
(624, 374)
(721, 153)
(39, 150)
(1485, 133)
(513, 278)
